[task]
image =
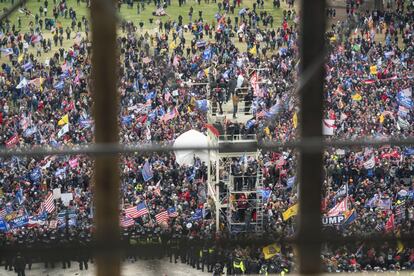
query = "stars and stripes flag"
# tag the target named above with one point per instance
(172, 212)
(49, 205)
(126, 222)
(141, 209)
(133, 212)
(162, 217)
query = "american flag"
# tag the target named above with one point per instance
(142, 209)
(162, 217)
(49, 204)
(132, 212)
(127, 222)
(172, 212)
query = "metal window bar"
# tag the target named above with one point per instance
(107, 149)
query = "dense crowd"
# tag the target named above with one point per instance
(47, 102)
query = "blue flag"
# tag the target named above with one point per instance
(266, 194)
(273, 111)
(290, 182)
(146, 171)
(150, 95)
(26, 67)
(202, 105)
(409, 151)
(126, 120)
(19, 196)
(35, 174)
(29, 131)
(19, 222)
(250, 123)
(198, 214)
(404, 98)
(207, 54)
(4, 227)
(59, 85)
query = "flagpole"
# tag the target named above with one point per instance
(346, 196)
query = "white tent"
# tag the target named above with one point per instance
(191, 138)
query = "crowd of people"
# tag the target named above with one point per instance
(47, 102)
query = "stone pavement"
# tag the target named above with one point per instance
(144, 268)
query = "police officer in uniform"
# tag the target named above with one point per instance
(19, 264)
(9, 257)
(174, 248)
(211, 259)
(204, 256)
(83, 256)
(238, 266)
(263, 270)
(142, 243)
(65, 257)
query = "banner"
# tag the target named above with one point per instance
(56, 193)
(19, 222)
(66, 198)
(328, 127)
(333, 220)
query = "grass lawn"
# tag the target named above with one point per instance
(173, 11)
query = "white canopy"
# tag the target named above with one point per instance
(191, 138)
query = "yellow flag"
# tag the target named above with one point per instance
(373, 70)
(356, 97)
(267, 131)
(20, 58)
(295, 120)
(381, 118)
(270, 250)
(206, 71)
(172, 45)
(253, 50)
(64, 120)
(290, 212)
(400, 247)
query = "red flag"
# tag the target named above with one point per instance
(389, 226)
(213, 129)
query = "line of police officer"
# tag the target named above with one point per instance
(144, 244)
(19, 254)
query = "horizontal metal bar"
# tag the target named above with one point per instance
(309, 144)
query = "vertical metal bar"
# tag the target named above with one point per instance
(310, 164)
(106, 175)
